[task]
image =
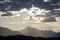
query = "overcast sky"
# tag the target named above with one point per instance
(16, 20)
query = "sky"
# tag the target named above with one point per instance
(22, 14)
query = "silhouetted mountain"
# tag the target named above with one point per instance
(29, 31)
(8, 32)
(22, 37)
(57, 34)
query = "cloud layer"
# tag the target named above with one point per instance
(34, 13)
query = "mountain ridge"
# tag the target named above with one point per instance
(8, 32)
(29, 31)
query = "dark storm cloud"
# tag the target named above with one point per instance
(50, 19)
(53, 13)
(56, 13)
(7, 14)
(18, 4)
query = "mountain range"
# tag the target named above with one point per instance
(29, 31)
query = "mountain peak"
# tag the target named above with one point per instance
(29, 31)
